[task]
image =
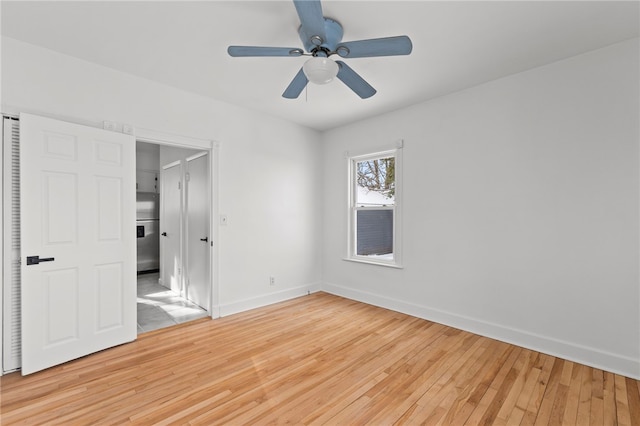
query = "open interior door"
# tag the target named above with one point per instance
(171, 227)
(198, 244)
(78, 246)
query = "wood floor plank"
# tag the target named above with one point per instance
(584, 406)
(437, 389)
(573, 398)
(560, 402)
(609, 402)
(430, 407)
(321, 360)
(633, 398)
(491, 401)
(622, 402)
(425, 367)
(466, 391)
(519, 410)
(493, 365)
(410, 365)
(531, 413)
(546, 408)
(597, 397)
(521, 369)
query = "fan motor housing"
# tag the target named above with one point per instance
(333, 32)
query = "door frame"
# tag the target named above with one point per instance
(212, 148)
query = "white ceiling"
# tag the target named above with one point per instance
(455, 45)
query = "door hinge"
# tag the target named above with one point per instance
(179, 185)
(187, 177)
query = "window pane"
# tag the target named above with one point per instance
(374, 233)
(375, 182)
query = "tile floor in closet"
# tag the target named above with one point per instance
(159, 307)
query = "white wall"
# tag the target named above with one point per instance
(268, 168)
(520, 209)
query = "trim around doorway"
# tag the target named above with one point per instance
(160, 138)
(212, 147)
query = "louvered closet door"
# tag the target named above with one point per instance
(11, 246)
(78, 245)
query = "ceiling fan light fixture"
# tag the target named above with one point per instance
(320, 70)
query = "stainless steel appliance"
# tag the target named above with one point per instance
(147, 230)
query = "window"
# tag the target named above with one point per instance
(373, 208)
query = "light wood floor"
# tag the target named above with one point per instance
(319, 359)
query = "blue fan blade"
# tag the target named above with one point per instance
(354, 81)
(311, 19)
(296, 86)
(264, 51)
(387, 46)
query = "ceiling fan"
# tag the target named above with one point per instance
(322, 38)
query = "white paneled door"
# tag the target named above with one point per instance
(78, 244)
(171, 227)
(198, 241)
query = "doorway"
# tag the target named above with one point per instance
(178, 288)
(160, 307)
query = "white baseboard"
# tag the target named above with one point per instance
(267, 299)
(592, 357)
(215, 312)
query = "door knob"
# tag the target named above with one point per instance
(164, 234)
(205, 239)
(34, 260)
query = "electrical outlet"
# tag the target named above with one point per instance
(272, 280)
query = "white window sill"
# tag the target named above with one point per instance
(373, 262)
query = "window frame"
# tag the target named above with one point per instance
(352, 207)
